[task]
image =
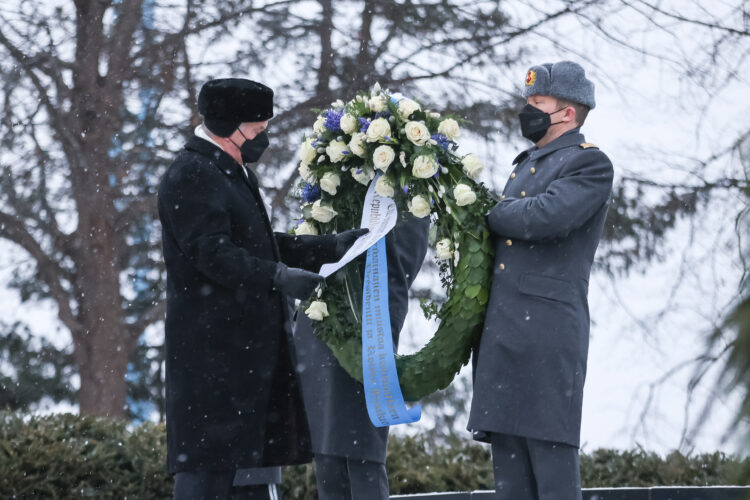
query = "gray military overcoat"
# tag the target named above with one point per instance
(530, 367)
(334, 401)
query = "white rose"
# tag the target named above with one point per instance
(357, 144)
(307, 152)
(330, 182)
(361, 176)
(449, 128)
(443, 249)
(320, 125)
(378, 129)
(323, 213)
(335, 151)
(406, 107)
(305, 228)
(417, 133)
(348, 123)
(383, 157)
(473, 166)
(464, 195)
(378, 103)
(306, 173)
(317, 310)
(419, 207)
(384, 187)
(424, 167)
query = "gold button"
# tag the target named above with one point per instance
(513, 175)
(502, 197)
(533, 170)
(502, 267)
(523, 194)
(508, 242)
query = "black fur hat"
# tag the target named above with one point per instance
(227, 102)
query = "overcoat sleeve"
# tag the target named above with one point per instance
(306, 251)
(566, 205)
(193, 202)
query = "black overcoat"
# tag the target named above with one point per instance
(232, 394)
(334, 401)
(531, 363)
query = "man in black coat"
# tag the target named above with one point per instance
(349, 450)
(233, 398)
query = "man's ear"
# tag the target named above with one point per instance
(570, 114)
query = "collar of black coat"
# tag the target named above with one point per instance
(218, 156)
(570, 138)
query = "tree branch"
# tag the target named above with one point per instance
(49, 271)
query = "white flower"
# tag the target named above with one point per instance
(473, 166)
(361, 176)
(305, 228)
(323, 213)
(348, 123)
(464, 195)
(379, 129)
(306, 173)
(456, 256)
(375, 88)
(317, 310)
(443, 249)
(320, 125)
(383, 157)
(449, 128)
(337, 104)
(335, 151)
(435, 115)
(307, 152)
(417, 133)
(384, 187)
(419, 207)
(330, 182)
(357, 144)
(402, 158)
(378, 103)
(406, 107)
(424, 167)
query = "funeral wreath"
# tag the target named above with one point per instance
(414, 151)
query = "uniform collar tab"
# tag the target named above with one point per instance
(570, 138)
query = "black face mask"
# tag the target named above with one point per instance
(252, 149)
(535, 122)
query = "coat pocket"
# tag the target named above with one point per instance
(546, 287)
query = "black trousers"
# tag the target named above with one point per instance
(342, 478)
(531, 469)
(219, 486)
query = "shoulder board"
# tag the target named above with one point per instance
(587, 145)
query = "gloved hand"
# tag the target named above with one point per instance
(346, 239)
(295, 283)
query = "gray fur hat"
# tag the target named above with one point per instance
(564, 79)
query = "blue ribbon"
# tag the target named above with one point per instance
(385, 403)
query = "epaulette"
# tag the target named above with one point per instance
(587, 145)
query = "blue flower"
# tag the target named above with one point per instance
(383, 114)
(333, 120)
(310, 193)
(365, 123)
(442, 140)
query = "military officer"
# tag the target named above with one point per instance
(349, 451)
(530, 366)
(232, 394)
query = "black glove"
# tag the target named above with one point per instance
(295, 283)
(346, 239)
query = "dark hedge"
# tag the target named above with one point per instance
(67, 456)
